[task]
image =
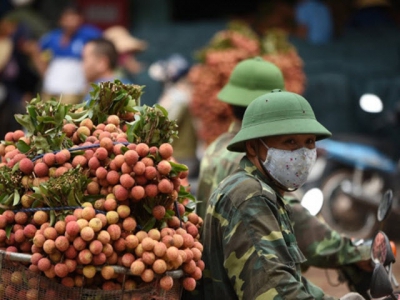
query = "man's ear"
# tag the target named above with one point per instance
(251, 148)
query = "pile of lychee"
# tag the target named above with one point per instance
(135, 184)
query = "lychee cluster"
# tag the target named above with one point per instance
(135, 218)
(83, 249)
(132, 172)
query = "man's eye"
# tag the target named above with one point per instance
(311, 142)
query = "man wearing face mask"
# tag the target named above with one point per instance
(250, 250)
(322, 246)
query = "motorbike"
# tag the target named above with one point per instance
(352, 172)
(383, 253)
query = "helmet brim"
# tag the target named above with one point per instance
(239, 96)
(279, 127)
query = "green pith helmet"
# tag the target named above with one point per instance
(277, 113)
(250, 79)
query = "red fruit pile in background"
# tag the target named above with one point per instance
(218, 59)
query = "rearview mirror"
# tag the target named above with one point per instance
(381, 251)
(385, 205)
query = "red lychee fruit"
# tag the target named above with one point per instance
(41, 169)
(131, 157)
(164, 167)
(158, 212)
(137, 193)
(107, 144)
(165, 186)
(121, 193)
(26, 166)
(69, 129)
(165, 150)
(139, 168)
(150, 172)
(80, 160)
(49, 159)
(151, 190)
(62, 156)
(142, 149)
(112, 177)
(127, 181)
(101, 153)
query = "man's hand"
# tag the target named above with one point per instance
(365, 265)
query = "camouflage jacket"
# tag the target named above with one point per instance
(250, 250)
(216, 164)
(322, 246)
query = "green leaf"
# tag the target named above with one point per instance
(90, 198)
(17, 198)
(183, 194)
(149, 224)
(15, 167)
(36, 203)
(71, 199)
(25, 121)
(7, 200)
(169, 213)
(124, 149)
(191, 206)
(176, 167)
(147, 208)
(52, 220)
(23, 147)
(42, 143)
(8, 230)
(32, 112)
(163, 110)
(46, 120)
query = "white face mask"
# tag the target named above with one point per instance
(290, 168)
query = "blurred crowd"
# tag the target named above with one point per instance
(61, 62)
(57, 62)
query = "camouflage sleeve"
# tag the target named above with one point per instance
(214, 168)
(323, 246)
(205, 186)
(229, 162)
(260, 254)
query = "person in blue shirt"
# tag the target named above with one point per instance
(314, 21)
(59, 57)
(100, 63)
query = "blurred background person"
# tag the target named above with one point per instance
(127, 47)
(100, 62)
(59, 56)
(26, 13)
(175, 98)
(313, 21)
(19, 81)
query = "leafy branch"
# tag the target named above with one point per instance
(152, 126)
(10, 186)
(112, 98)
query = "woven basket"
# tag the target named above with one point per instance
(31, 285)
